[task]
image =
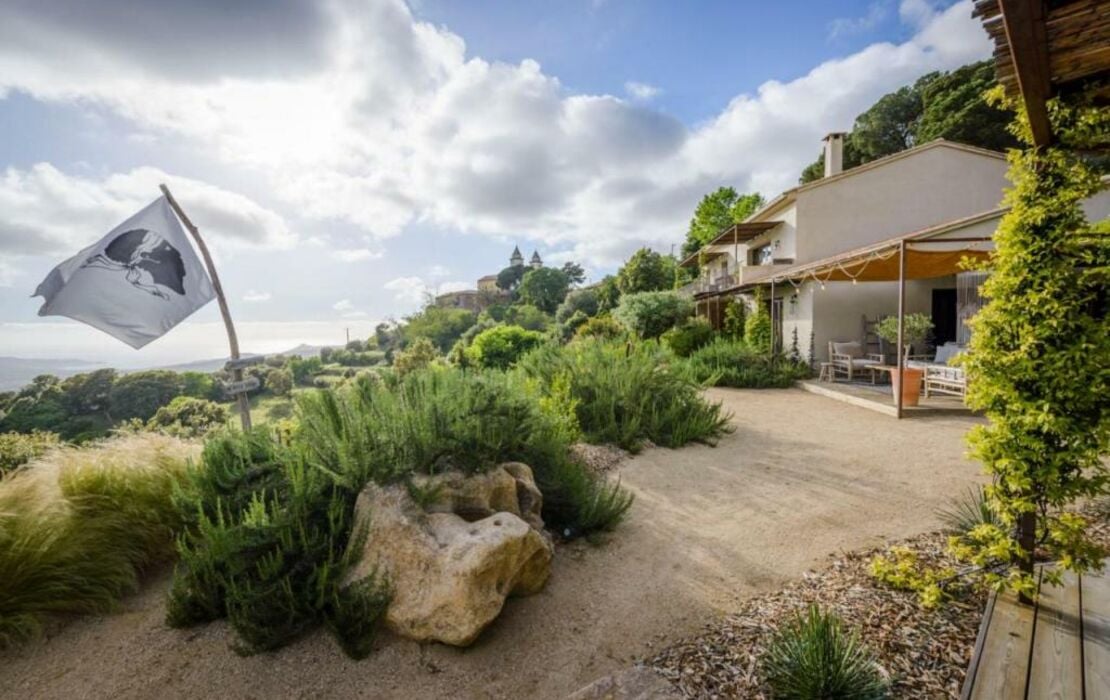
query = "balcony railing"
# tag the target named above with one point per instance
(717, 283)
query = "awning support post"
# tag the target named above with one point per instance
(772, 302)
(901, 326)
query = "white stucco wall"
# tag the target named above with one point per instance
(926, 188)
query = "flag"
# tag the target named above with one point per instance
(136, 283)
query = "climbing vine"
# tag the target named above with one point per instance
(1039, 366)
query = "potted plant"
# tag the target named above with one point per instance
(915, 329)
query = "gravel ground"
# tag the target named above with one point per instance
(802, 477)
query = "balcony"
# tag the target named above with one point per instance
(717, 283)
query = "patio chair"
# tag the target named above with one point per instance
(849, 360)
(940, 376)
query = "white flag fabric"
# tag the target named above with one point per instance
(136, 283)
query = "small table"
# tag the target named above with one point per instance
(827, 372)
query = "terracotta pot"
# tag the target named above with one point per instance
(912, 391)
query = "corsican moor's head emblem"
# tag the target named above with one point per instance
(147, 260)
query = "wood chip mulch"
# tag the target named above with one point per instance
(925, 653)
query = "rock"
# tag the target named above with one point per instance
(510, 488)
(452, 568)
(636, 683)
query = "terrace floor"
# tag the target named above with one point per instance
(801, 478)
(878, 397)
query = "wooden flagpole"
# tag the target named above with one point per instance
(232, 338)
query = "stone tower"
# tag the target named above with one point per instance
(516, 260)
(536, 263)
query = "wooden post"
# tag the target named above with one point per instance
(772, 302)
(1027, 538)
(232, 338)
(901, 324)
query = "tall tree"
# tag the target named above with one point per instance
(545, 288)
(646, 271)
(938, 105)
(574, 272)
(717, 211)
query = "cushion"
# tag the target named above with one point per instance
(852, 349)
(947, 352)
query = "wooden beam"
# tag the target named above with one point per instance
(1028, 39)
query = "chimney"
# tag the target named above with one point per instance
(834, 153)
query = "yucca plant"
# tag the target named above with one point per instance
(968, 511)
(816, 657)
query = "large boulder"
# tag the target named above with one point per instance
(453, 562)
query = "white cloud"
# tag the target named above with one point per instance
(641, 91)
(343, 305)
(355, 314)
(847, 26)
(355, 255)
(46, 211)
(415, 290)
(253, 296)
(392, 123)
(438, 271)
(410, 290)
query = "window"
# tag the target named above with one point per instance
(763, 255)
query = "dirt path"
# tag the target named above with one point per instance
(802, 477)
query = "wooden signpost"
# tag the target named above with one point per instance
(238, 386)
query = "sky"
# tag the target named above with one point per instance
(345, 158)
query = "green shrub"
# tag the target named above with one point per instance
(733, 363)
(735, 316)
(429, 422)
(626, 393)
(279, 382)
(17, 449)
(501, 347)
(189, 417)
(915, 330)
(566, 330)
(419, 355)
(605, 327)
(757, 326)
(141, 394)
(527, 317)
(688, 337)
(815, 656)
(583, 301)
(650, 314)
(79, 525)
(265, 545)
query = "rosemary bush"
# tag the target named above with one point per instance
(628, 392)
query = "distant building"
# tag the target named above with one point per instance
(488, 293)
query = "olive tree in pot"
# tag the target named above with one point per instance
(916, 328)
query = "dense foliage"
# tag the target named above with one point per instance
(189, 417)
(651, 314)
(544, 288)
(734, 363)
(502, 346)
(938, 105)
(17, 449)
(265, 545)
(141, 394)
(715, 212)
(647, 271)
(625, 393)
(442, 326)
(688, 336)
(78, 527)
(1038, 359)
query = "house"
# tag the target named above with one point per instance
(487, 293)
(825, 256)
